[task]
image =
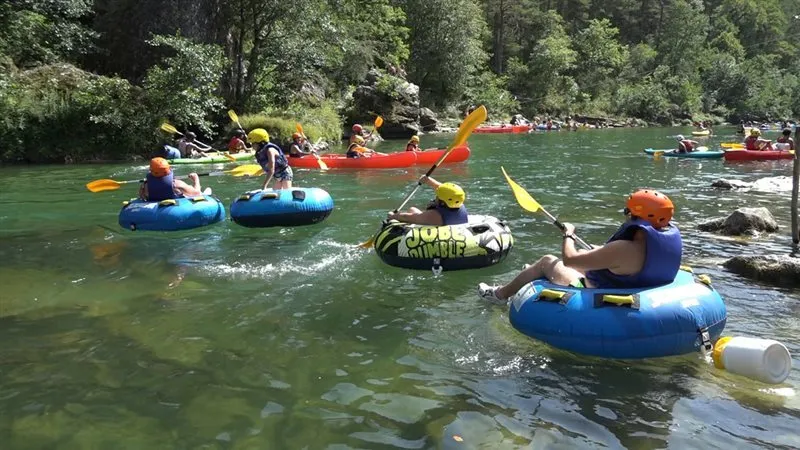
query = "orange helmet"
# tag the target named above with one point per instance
(357, 128)
(296, 135)
(159, 167)
(651, 206)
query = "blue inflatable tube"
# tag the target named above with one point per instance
(171, 152)
(663, 321)
(171, 215)
(282, 208)
(544, 128)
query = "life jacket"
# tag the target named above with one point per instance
(687, 146)
(787, 141)
(170, 152)
(451, 216)
(262, 156)
(235, 144)
(352, 152)
(296, 154)
(662, 261)
(751, 143)
(160, 188)
(412, 147)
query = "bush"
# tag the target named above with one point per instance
(320, 122)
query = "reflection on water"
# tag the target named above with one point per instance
(229, 337)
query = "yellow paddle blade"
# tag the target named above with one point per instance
(369, 243)
(523, 198)
(472, 121)
(233, 116)
(321, 163)
(378, 122)
(245, 170)
(168, 128)
(299, 129)
(731, 145)
(228, 157)
(103, 185)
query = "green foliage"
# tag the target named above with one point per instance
(491, 91)
(320, 122)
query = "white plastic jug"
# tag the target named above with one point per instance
(764, 360)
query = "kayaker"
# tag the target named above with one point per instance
(271, 159)
(357, 149)
(755, 142)
(446, 209)
(785, 142)
(358, 130)
(300, 147)
(160, 184)
(191, 149)
(237, 143)
(644, 252)
(413, 144)
(686, 145)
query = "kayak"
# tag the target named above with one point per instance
(390, 161)
(757, 155)
(503, 129)
(429, 157)
(672, 319)
(213, 159)
(672, 153)
(701, 133)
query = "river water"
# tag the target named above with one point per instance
(234, 338)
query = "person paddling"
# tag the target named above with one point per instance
(358, 131)
(644, 252)
(300, 147)
(413, 144)
(785, 142)
(686, 145)
(271, 159)
(191, 149)
(755, 142)
(161, 185)
(446, 209)
(357, 149)
(237, 143)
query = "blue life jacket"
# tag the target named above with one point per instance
(170, 152)
(661, 263)
(451, 216)
(262, 156)
(160, 188)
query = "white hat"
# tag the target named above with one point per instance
(680, 137)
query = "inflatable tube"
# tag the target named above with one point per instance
(672, 153)
(171, 152)
(544, 127)
(756, 155)
(429, 157)
(283, 208)
(390, 161)
(171, 215)
(701, 133)
(213, 159)
(503, 129)
(482, 242)
(663, 321)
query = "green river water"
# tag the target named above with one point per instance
(233, 338)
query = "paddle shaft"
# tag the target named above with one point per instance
(560, 226)
(199, 142)
(419, 182)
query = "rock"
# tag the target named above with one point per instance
(742, 221)
(391, 97)
(782, 270)
(729, 184)
(428, 120)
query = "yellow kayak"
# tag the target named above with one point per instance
(701, 133)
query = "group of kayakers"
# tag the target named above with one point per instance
(755, 142)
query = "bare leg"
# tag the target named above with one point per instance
(414, 210)
(547, 266)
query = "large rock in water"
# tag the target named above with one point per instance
(396, 100)
(742, 221)
(780, 270)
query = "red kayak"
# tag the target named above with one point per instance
(504, 129)
(429, 157)
(390, 161)
(756, 155)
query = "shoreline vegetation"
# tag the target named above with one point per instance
(85, 80)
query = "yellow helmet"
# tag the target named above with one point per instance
(359, 140)
(755, 132)
(258, 135)
(451, 194)
(414, 138)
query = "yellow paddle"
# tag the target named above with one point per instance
(470, 123)
(321, 163)
(528, 203)
(732, 145)
(172, 130)
(378, 123)
(234, 118)
(112, 185)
